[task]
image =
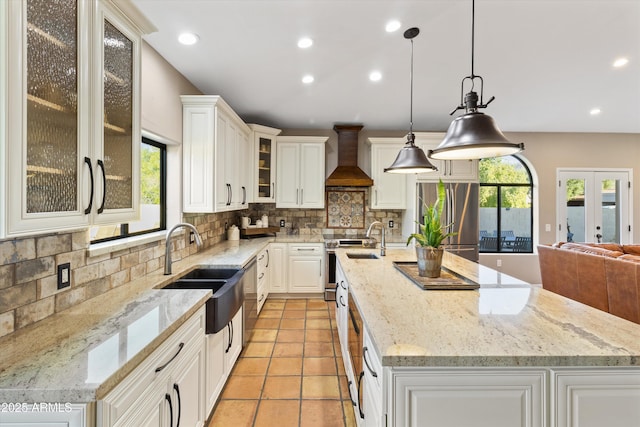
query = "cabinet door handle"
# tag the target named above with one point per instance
(297, 196)
(244, 195)
(168, 399)
(306, 249)
(366, 362)
(177, 389)
(320, 265)
(232, 334)
(261, 276)
(261, 298)
(261, 257)
(376, 196)
(338, 305)
(87, 211)
(273, 190)
(268, 259)
(302, 196)
(353, 402)
(180, 347)
(358, 390)
(104, 186)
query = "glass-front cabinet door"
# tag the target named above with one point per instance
(117, 151)
(46, 114)
(265, 163)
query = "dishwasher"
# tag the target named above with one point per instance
(249, 307)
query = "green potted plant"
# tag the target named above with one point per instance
(432, 232)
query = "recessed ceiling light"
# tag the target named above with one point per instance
(305, 42)
(307, 79)
(595, 111)
(620, 62)
(188, 38)
(375, 76)
(392, 26)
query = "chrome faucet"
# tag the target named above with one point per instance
(383, 248)
(167, 253)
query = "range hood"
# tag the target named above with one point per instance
(348, 174)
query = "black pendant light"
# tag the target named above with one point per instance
(473, 135)
(411, 159)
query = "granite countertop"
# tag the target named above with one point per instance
(80, 354)
(505, 323)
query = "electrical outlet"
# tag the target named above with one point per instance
(192, 237)
(547, 227)
(64, 275)
(282, 223)
(498, 263)
(390, 223)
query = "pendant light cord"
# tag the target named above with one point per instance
(411, 96)
(473, 32)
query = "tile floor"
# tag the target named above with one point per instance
(290, 373)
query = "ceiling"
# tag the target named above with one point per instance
(547, 62)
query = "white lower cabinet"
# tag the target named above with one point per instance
(167, 388)
(223, 349)
(64, 415)
(464, 397)
(278, 267)
(342, 310)
(373, 409)
(595, 397)
(306, 268)
(264, 261)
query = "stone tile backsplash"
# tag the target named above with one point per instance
(28, 266)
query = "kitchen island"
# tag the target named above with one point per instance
(507, 354)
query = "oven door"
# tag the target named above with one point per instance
(330, 274)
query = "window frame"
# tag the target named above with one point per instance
(499, 186)
(124, 227)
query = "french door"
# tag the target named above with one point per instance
(594, 206)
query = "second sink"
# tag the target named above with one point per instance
(355, 255)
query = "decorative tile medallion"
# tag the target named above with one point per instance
(345, 209)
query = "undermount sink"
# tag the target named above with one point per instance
(355, 255)
(227, 293)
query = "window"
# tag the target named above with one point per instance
(506, 209)
(153, 160)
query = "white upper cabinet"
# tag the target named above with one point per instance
(448, 170)
(300, 172)
(215, 141)
(264, 170)
(389, 190)
(70, 117)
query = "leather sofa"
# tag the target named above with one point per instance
(603, 275)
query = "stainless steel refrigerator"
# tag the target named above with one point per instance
(460, 211)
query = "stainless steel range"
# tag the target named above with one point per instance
(332, 242)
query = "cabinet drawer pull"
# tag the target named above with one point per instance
(261, 276)
(261, 257)
(366, 362)
(180, 347)
(359, 389)
(342, 285)
(261, 298)
(306, 249)
(342, 301)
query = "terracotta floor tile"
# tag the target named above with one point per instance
(258, 349)
(321, 413)
(285, 387)
(285, 366)
(344, 387)
(318, 304)
(278, 413)
(314, 314)
(296, 304)
(291, 324)
(270, 314)
(237, 413)
(320, 387)
(340, 363)
(318, 349)
(318, 324)
(267, 324)
(251, 366)
(293, 314)
(318, 335)
(243, 387)
(319, 366)
(291, 335)
(288, 349)
(264, 335)
(274, 305)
